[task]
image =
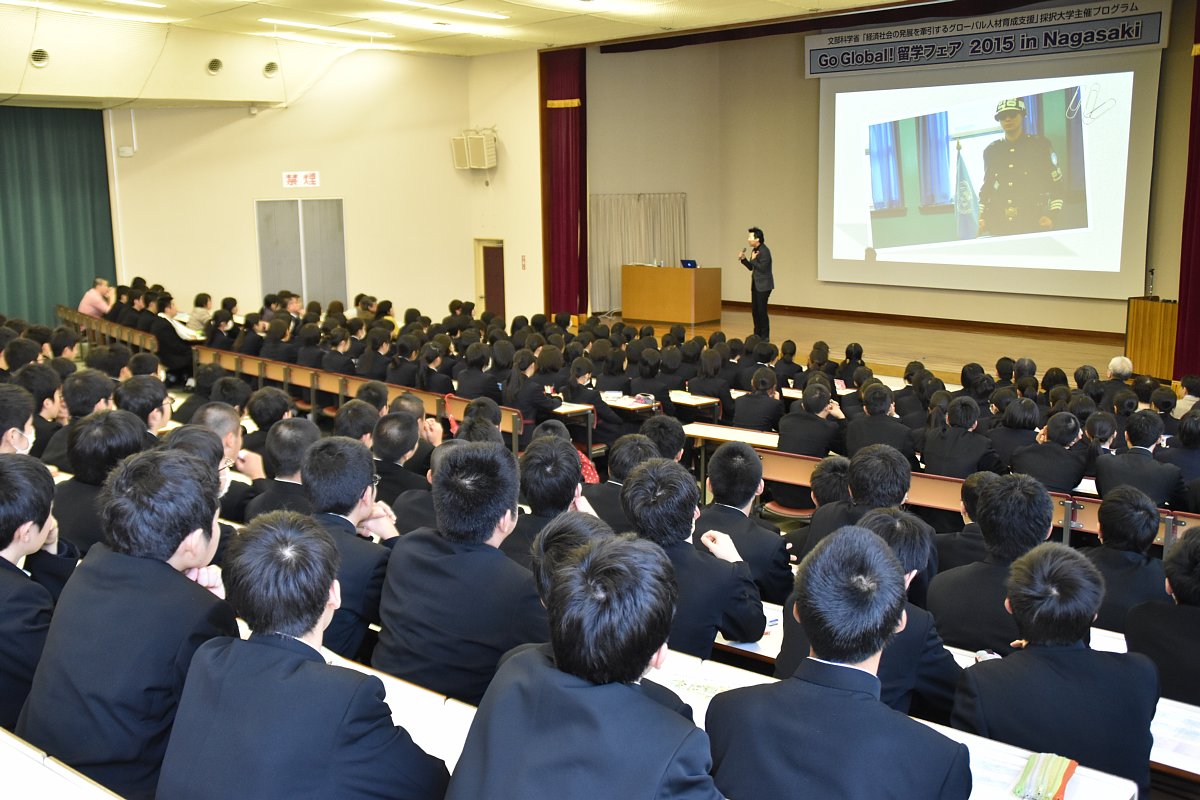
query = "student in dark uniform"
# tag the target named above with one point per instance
(1054, 460)
(709, 383)
(1169, 633)
(608, 426)
(761, 409)
(649, 383)
(1128, 525)
(219, 330)
(527, 395)
(1021, 191)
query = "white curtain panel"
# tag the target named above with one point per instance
(631, 229)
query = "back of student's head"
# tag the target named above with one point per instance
(830, 481)
(550, 475)
(278, 573)
(1081, 406)
(220, 418)
(40, 380)
(1027, 386)
(1128, 520)
(206, 376)
(1144, 428)
(648, 363)
(1014, 513)
(474, 486)
(21, 351)
(408, 402)
(659, 498)
(850, 595)
(1189, 430)
(1024, 368)
(1124, 403)
(287, 441)
(879, 476)
(735, 471)
(355, 419)
(963, 412)
(1004, 368)
(629, 451)
(144, 364)
(763, 380)
(231, 391)
(394, 437)
(910, 538)
(816, 398)
(1100, 427)
(198, 441)
(82, 390)
(1085, 373)
(1021, 414)
(153, 500)
(1163, 400)
(335, 472)
(140, 395)
(267, 406)
(558, 545)
(971, 487)
(1182, 566)
(1055, 593)
(1063, 429)
(26, 494)
(666, 432)
(612, 610)
(100, 441)
(877, 400)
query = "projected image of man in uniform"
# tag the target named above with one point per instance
(1021, 191)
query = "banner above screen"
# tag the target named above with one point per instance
(1020, 35)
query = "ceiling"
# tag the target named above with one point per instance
(446, 27)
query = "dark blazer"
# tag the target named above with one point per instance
(535, 405)
(414, 509)
(1186, 458)
(1057, 468)
(55, 454)
(220, 340)
(825, 520)
(395, 480)
(279, 496)
(714, 387)
(279, 350)
(145, 318)
(960, 549)
(238, 497)
(77, 510)
(128, 316)
(1170, 635)
(606, 501)
(372, 365)
(869, 429)
(1006, 441)
(311, 355)
(968, 605)
(759, 265)
(26, 605)
(519, 543)
(43, 430)
(252, 344)
(450, 610)
(757, 411)
(1086, 705)
(341, 363)
(957, 452)
(614, 383)
(1138, 468)
(256, 441)
(745, 376)
(183, 414)
(361, 577)
(915, 662)
(608, 424)
(810, 435)
(576, 740)
(474, 383)
(434, 381)
(759, 544)
(767, 743)
(1130, 579)
(714, 595)
(174, 352)
(268, 718)
(105, 693)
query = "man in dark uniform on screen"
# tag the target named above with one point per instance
(1021, 183)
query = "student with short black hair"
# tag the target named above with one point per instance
(1014, 515)
(356, 419)
(35, 563)
(1054, 459)
(18, 353)
(879, 426)
(338, 475)
(84, 391)
(1128, 525)
(63, 342)
(291, 724)
(1055, 694)
(98, 443)
(112, 720)
(1137, 467)
(966, 546)
(145, 397)
(579, 696)
(226, 422)
(1017, 428)
(394, 442)
(735, 482)
(1183, 452)
(232, 391)
(605, 498)
(436, 631)
(1169, 633)
(716, 588)
(667, 434)
(41, 381)
(850, 599)
(551, 483)
(265, 407)
(287, 442)
(17, 431)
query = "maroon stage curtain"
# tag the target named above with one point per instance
(1187, 333)
(564, 180)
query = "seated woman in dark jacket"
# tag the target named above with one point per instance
(528, 396)
(428, 377)
(373, 363)
(578, 389)
(218, 331)
(761, 409)
(276, 345)
(709, 383)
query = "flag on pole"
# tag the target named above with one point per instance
(966, 202)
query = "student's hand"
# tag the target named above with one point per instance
(1018, 644)
(51, 529)
(835, 410)
(251, 465)
(431, 430)
(793, 558)
(382, 521)
(209, 577)
(1041, 436)
(582, 505)
(721, 546)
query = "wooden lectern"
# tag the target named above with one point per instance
(1150, 336)
(670, 294)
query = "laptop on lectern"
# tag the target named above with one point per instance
(687, 263)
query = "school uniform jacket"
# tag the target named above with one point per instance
(758, 543)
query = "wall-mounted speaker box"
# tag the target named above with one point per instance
(458, 148)
(474, 151)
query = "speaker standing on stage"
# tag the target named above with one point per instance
(763, 282)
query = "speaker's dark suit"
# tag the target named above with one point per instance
(759, 544)
(1007, 441)
(576, 740)
(26, 605)
(1170, 635)
(474, 383)
(268, 718)
(450, 610)
(1137, 468)
(915, 662)
(361, 577)
(868, 429)
(1130, 579)
(960, 549)
(1086, 705)
(77, 510)
(105, 693)
(824, 733)
(714, 595)
(1186, 458)
(395, 480)
(279, 496)
(968, 605)
(1057, 468)
(606, 500)
(414, 509)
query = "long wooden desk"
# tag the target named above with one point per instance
(670, 294)
(30, 773)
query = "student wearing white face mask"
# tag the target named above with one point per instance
(16, 420)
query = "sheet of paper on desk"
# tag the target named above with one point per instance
(698, 682)
(1176, 729)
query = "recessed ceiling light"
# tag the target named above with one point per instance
(330, 28)
(448, 8)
